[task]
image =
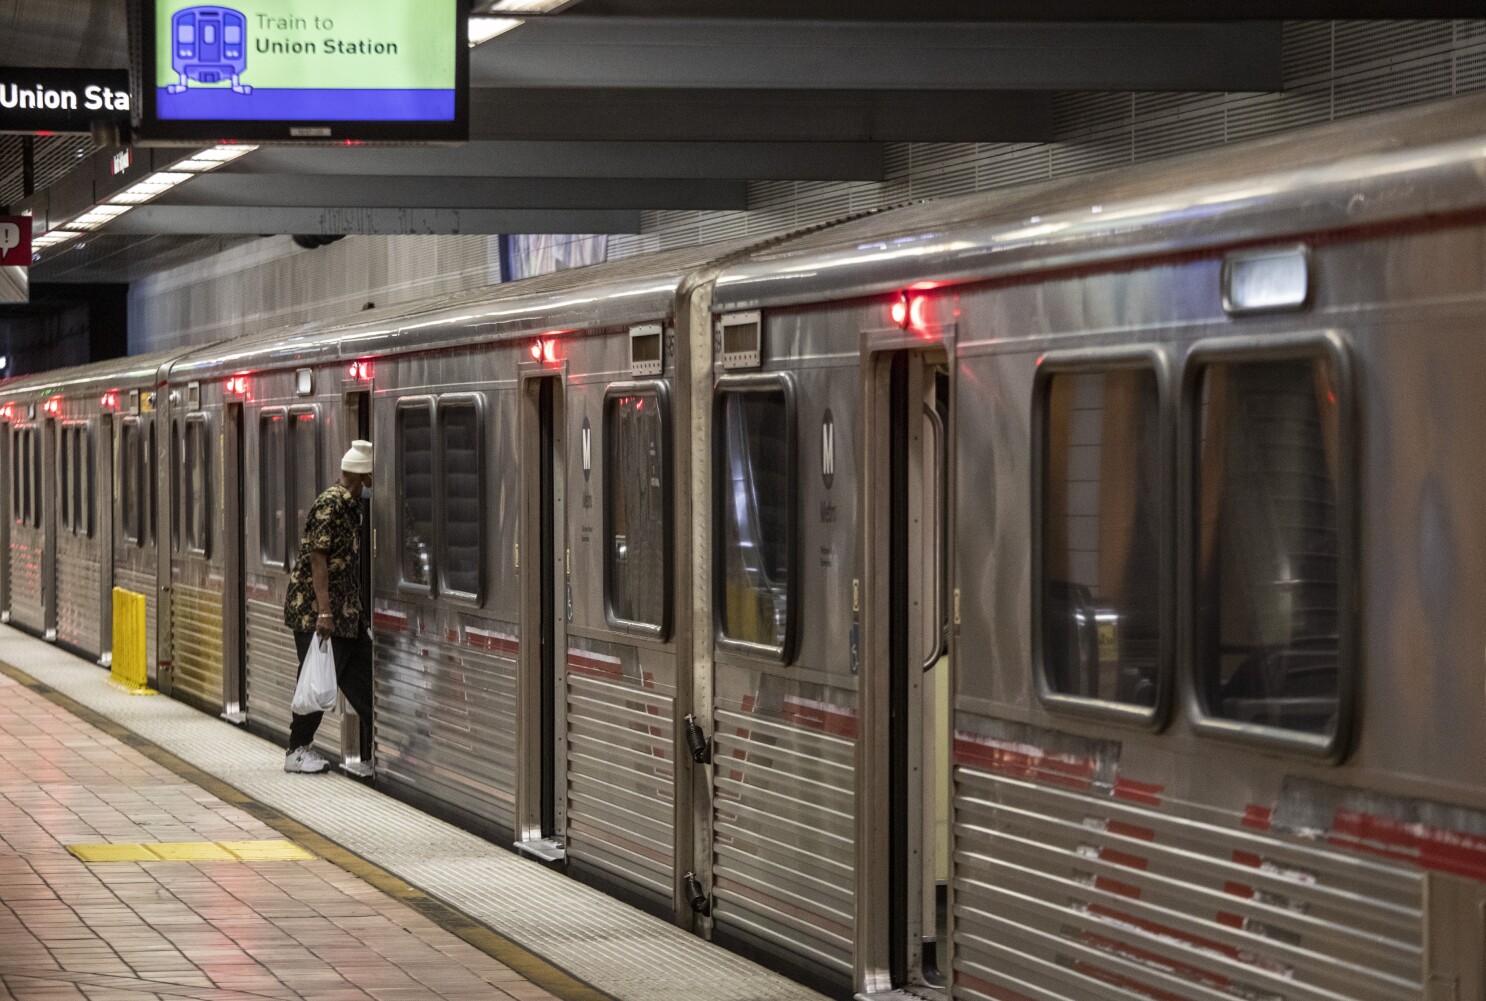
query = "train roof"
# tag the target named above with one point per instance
(631, 290)
(1367, 171)
(130, 372)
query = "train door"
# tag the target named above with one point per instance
(234, 639)
(356, 733)
(903, 874)
(540, 800)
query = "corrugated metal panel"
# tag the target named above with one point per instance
(78, 597)
(273, 669)
(26, 608)
(142, 583)
(196, 645)
(621, 772)
(783, 828)
(446, 710)
(1064, 892)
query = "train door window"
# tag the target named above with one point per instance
(148, 471)
(36, 494)
(16, 465)
(415, 492)
(130, 508)
(460, 520)
(82, 507)
(178, 482)
(1271, 507)
(28, 494)
(1101, 612)
(196, 475)
(756, 483)
(64, 479)
(304, 467)
(637, 508)
(273, 533)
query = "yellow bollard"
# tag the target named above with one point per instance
(130, 670)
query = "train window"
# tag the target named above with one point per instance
(36, 494)
(64, 480)
(273, 533)
(460, 520)
(15, 475)
(1271, 516)
(178, 481)
(637, 512)
(147, 470)
(82, 506)
(304, 467)
(1100, 616)
(130, 508)
(415, 491)
(756, 482)
(196, 478)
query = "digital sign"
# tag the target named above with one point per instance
(56, 100)
(304, 69)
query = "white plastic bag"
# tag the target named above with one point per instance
(315, 692)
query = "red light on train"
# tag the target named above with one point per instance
(109, 401)
(237, 384)
(909, 311)
(361, 371)
(544, 349)
(52, 406)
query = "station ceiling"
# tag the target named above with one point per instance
(584, 117)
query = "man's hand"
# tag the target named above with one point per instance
(324, 626)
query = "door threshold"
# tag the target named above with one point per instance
(918, 992)
(548, 850)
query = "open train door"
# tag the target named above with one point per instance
(903, 795)
(541, 740)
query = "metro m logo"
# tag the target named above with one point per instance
(828, 449)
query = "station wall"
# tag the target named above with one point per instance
(1333, 70)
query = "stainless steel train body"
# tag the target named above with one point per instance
(1047, 596)
(79, 513)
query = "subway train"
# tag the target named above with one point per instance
(1061, 593)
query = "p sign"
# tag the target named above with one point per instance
(15, 241)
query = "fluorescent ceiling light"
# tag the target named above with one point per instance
(529, 6)
(483, 29)
(54, 237)
(97, 216)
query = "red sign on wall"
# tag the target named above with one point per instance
(15, 241)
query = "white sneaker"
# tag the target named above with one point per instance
(305, 760)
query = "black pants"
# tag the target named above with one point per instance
(353, 673)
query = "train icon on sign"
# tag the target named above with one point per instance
(208, 45)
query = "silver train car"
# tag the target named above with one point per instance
(1061, 594)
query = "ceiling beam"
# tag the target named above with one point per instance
(1030, 10)
(779, 161)
(755, 116)
(193, 220)
(810, 55)
(344, 191)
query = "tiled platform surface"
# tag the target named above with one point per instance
(225, 931)
(619, 950)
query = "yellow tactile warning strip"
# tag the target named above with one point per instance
(539, 971)
(272, 850)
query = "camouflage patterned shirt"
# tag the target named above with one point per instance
(332, 527)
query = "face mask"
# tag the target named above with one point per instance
(366, 493)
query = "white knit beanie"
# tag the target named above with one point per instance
(358, 459)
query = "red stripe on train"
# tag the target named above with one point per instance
(1024, 761)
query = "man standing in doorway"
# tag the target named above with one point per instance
(324, 601)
